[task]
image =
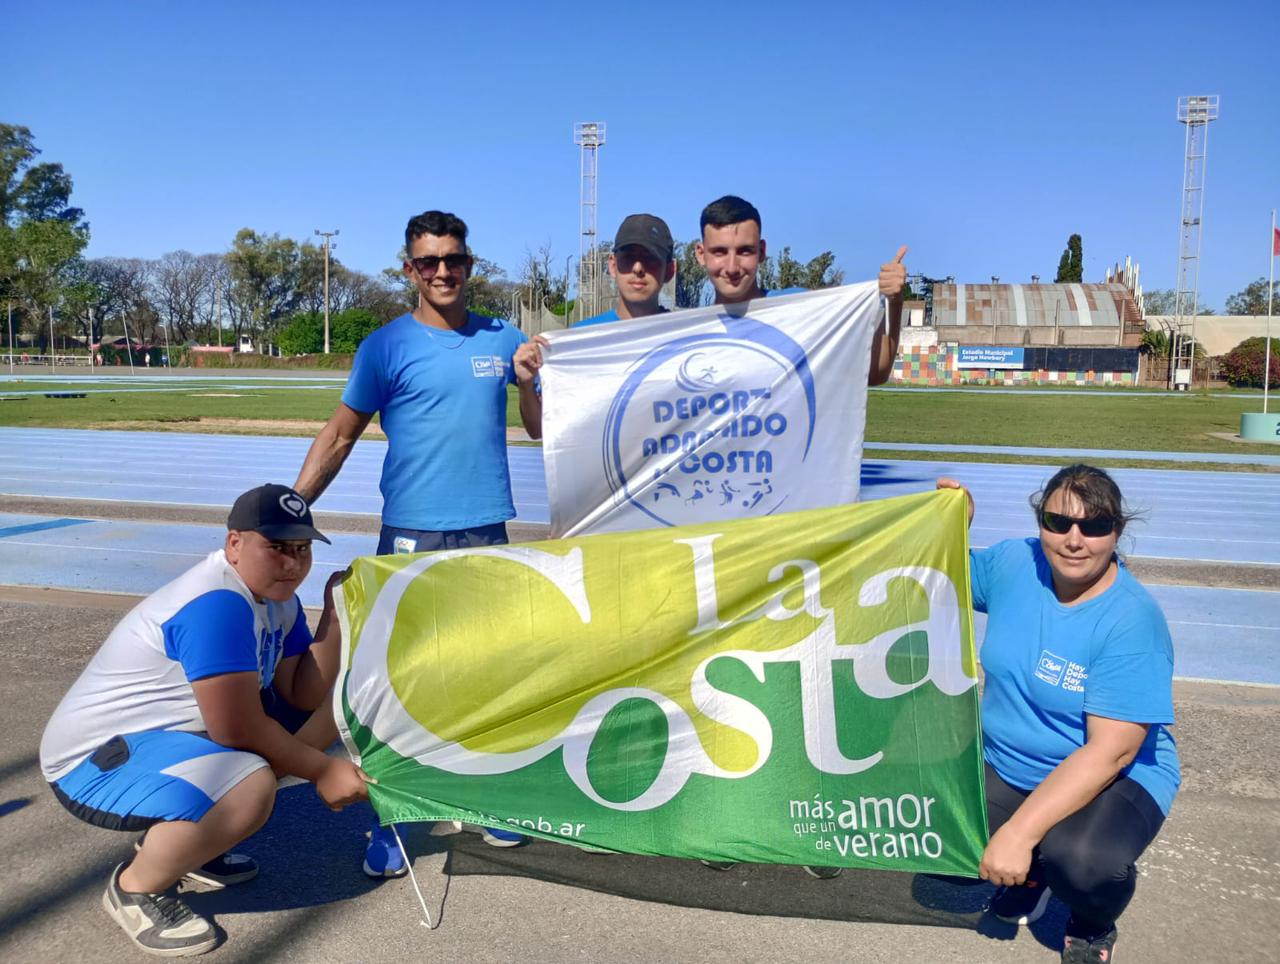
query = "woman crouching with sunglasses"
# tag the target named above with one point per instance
(1080, 767)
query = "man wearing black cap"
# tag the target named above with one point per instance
(641, 263)
(185, 717)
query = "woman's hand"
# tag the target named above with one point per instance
(946, 483)
(1006, 860)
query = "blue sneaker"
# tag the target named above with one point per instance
(383, 858)
(500, 838)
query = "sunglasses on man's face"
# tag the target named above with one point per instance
(428, 265)
(1093, 527)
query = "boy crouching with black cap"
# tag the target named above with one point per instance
(197, 702)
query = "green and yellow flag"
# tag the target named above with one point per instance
(798, 688)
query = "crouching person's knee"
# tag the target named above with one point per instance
(249, 803)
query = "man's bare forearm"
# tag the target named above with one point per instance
(884, 346)
(329, 451)
(531, 410)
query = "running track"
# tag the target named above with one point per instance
(1193, 515)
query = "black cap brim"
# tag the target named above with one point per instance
(292, 531)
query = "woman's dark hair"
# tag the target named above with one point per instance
(438, 223)
(1096, 490)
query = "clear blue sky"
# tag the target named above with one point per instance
(980, 139)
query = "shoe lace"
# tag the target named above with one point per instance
(170, 909)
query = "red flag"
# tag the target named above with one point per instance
(1275, 242)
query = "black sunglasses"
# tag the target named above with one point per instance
(428, 265)
(1093, 527)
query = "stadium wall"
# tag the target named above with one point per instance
(939, 365)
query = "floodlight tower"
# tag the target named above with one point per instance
(1195, 113)
(589, 136)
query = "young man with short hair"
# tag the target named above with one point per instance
(198, 700)
(732, 247)
(642, 261)
(438, 378)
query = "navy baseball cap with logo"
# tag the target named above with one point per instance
(275, 511)
(648, 231)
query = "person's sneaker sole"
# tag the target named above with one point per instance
(719, 864)
(197, 935)
(489, 837)
(1031, 916)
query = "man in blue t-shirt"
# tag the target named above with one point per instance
(731, 249)
(642, 261)
(438, 378)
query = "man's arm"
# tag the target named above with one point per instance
(233, 716)
(330, 450)
(884, 346)
(526, 362)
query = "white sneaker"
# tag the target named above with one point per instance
(157, 923)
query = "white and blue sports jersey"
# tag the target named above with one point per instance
(442, 396)
(204, 623)
(1049, 666)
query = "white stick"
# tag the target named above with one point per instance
(414, 878)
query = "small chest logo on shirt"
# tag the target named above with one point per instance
(1057, 671)
(488, 366)
(270, 649)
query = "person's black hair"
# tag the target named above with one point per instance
(1096, 490)
(439, 223)
(729, 209)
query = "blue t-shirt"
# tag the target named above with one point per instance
(442, 396)
(1048, 665)
(607, 316)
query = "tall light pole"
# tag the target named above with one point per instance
(589, 136)
(1196, 113)
(326, 235)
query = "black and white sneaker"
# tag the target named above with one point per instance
(1020, 905)
(158, 923)
(1081, 950)
(720, 864)
(219, 872)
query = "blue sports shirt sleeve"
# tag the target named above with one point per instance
(213, 634)
(299, 637)
(1131, 672)
(366, 389)
(518, 338)
(980, 577)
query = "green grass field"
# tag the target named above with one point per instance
(1140, 421)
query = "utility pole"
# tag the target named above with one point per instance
(326, 235)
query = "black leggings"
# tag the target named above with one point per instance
(1088, 858)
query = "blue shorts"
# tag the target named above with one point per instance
(393, 541)
(139, 779)
(135, 780)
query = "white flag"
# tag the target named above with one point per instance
(713, 413)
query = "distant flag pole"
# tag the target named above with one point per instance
(1271, 284)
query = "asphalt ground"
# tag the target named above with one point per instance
(1210, 886)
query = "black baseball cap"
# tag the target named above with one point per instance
(275, 511)
(648, 231)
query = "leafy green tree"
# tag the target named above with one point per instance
(1252, 299)
(41, 233)
(691, 277)
(1071, 264)
(489, 291)
(304, 333)
(349, 328)
(265, 271)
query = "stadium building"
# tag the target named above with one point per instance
(1018, 334)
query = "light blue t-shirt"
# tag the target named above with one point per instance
(442, 396)
(607, 316)
(1048, 666)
